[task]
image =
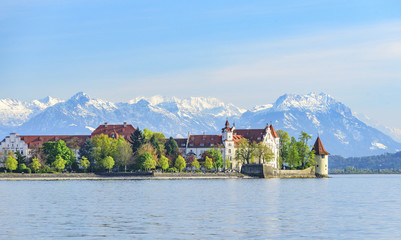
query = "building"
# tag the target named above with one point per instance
(25, 144)
(321, 158)
(227, 143)
(114, 131)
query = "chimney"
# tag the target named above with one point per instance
(125, 124)
(105, 124)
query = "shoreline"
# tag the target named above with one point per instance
(117, 176)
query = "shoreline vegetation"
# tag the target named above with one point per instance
(121, 176)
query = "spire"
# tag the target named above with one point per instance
(227, 123)
(319, 148)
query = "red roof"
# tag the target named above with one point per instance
(273, 132)
(253, 135)
(204, 141)
(114, 131)
(38, 140)
(181, 142)
(319, 148)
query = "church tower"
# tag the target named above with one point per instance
(322, 159)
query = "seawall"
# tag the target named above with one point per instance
(266, 171)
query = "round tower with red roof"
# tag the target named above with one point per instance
(321, 158)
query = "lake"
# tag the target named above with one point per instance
(341, 207)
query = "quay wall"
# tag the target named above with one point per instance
(266, 171)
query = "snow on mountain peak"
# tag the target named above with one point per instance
(312, 102)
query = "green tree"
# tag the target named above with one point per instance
(11, 163)
(180, 163)
(54, 149)
(59, 163)
(20, 158)
(195, 164)
(172, 148)
(21, 167)
(293, 156)
(284, 144)
(84, 163)
(263, 153)
(87, 150)
(146, 161)
(35, 165)
(218, 159)
(306, 156)
(245, 151)
(227, 163)
(208, 163)
(123, 154)
(104, 147)
(137, 139)
(108, 163)
(163, 163)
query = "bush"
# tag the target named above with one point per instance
(172, 169)
(22, 167)
(28, 170)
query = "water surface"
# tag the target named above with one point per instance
(344, 206)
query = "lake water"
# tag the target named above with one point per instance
(341, 207)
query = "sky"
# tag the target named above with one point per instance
(243, 52)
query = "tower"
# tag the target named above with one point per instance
(321, 158)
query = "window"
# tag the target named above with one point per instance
(191, 144)
(229, 150)
(212, 138)
(317, 165)
(211, 144)
(182, 144)
(202, 144)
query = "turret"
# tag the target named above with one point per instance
(321, 158)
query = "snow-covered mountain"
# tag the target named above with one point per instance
(341, 132)
(320, 114)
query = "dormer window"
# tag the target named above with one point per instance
(211, 138)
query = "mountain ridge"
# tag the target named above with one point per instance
(314, 113)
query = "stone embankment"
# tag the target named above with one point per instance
(118, 176)
(266, 171)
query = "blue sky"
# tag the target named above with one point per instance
(244, 52)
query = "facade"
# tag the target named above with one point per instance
(321, 158)
(227, 143)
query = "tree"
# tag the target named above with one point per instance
(52, 150)
(163, 163)
(195, 164)
(104, 147)
(20, 158)
(208, 163)
(218, 161)
(137, 139)
(305, 154)
(285, 142)
(123, 154)
(11, 163)
(87, 151)
(245, 151)
(21, 167)
(228, 163)
(84, 163)
(146, 161)
(180, 163)
(293, 155)
(263, 153)
(59, 164)
(108, 163)
(35, 165)
(172, 148)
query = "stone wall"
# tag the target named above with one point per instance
(266, 171)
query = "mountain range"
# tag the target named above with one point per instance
(317, 114)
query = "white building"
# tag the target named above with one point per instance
(227, 143)
(12, 143)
